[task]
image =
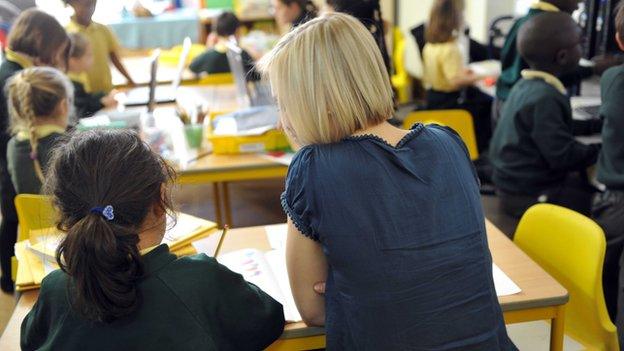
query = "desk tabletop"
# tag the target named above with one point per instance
(538, 288)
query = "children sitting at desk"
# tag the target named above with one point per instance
(390, 219)
(36, 39)
(81, 60)
(513, 63)
(533, 152)
(119, 288)
(39, 103)
(215, 60)
(608, 207)
(98, 78)
(450, 84)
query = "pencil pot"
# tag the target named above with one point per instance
(194, 135)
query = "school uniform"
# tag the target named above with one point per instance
(608, 207)
(513, 64)
(20, 164)
(188, 303)
(441, 63)
(398, 238)
(87, 104)
(13, 63)
(214, 61)
(103, 42)
(533, 150)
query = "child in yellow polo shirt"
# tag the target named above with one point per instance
(449, 81)
(104, 44)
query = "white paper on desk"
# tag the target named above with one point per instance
(184, 226)
(271, 276)
(503, 284)
(207, 245)
(276, 234)
(284, 159)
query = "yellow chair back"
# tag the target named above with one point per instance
(216, 79)
(458, 120)
(33, 212)
(571, 248)
(400, 80)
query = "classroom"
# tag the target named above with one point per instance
(293, 175)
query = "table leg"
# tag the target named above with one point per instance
(227, 208)
(557, 329)
(217, 204)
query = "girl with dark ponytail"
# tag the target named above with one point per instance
(294, 12)
(369, 13)
(118, 287)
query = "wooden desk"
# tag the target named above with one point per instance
(541, 297)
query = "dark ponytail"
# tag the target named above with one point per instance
(369, 13)
(101, 256)
(308, 10)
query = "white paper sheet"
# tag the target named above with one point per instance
(276, 234)
(503, 284)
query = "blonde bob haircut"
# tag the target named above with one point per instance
(329, 80)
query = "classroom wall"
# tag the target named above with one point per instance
(479, 14)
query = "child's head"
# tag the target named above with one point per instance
(551, 42)
(329, 80)
(38, 96)
(445, 21)
(619, 26)
(568, 6)
(80, 54)
(40, 36)
(227, 24)
(83, 9)
(288, 11)
(89, 172)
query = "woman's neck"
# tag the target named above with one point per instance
(384, 130)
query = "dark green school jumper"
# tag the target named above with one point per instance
(608, 207)
(87, 104)
(22, 167)
(533, 150)
(189, 303)
(213, 62)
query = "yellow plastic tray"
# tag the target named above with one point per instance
(273, 140)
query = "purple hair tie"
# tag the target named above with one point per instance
(33, 156)
(107, 212)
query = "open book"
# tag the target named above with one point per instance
(268, 272)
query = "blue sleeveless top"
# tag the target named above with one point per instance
(404, 234)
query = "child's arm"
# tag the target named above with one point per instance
(464, 79)
(120, 67)
(307, 266)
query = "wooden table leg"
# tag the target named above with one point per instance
(227, 207)
(217, 204)
(557, 329)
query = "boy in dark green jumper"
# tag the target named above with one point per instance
(533, 151)
(214, 60)
(608, 207)
(512, 63)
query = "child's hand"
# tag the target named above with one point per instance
(212, 40)
(109, 100)
(319, 288)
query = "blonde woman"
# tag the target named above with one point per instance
(390, 219)
(39, 102)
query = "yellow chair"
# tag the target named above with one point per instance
(33, 212)
(401, 80)
(458, 120)
(571, 248)
(216, 79)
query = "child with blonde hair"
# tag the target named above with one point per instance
(39, 101)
